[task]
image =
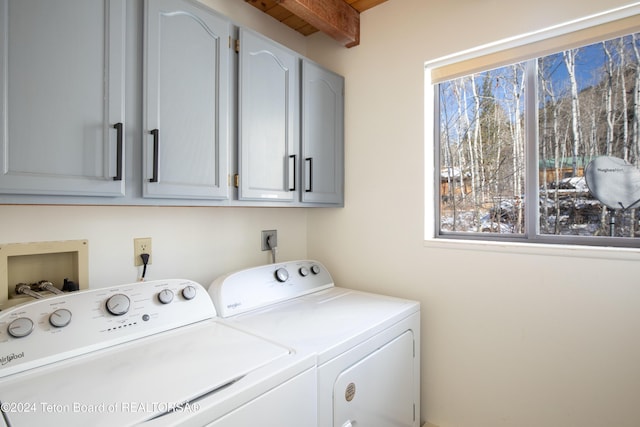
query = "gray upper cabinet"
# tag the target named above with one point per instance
(152, 102)
(186, 101)
(322, 135)
(62, 91)
(267, 119)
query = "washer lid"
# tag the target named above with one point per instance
(136, 381)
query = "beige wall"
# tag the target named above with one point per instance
(512, 336)
(193, 243)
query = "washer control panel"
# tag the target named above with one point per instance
(72, 324)
(258, 287)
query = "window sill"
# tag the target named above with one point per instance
(628, 254)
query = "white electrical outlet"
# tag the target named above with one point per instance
(141, 245)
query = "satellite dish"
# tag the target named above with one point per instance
(614, 182)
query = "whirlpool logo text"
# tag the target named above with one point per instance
(10, 357)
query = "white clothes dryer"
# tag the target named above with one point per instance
(367, 345)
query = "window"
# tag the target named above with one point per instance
(544, 148)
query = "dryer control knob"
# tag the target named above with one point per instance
(60, 318)
(20, 327)
(165, 296)
(282, 274)
(304, 271)
(315, 269)
(118, 304)
(189, 292)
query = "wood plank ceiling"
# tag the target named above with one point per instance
(340, 19)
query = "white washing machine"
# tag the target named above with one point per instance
(366, 345)
(151, 353)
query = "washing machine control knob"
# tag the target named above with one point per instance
(189, 292)
(118, 304)
(165, 296)
(20, 327)
(60, 318)
(282, 275)
(315, 269)
(304, 271)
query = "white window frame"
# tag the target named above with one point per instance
(515, 49)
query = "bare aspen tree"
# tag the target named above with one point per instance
(623, 95)
(463, 132)
(609, 99)
(464, 164)
(518, 87)
(446, 141)
(636, 98)
(570, 62)
(474, 154)
(543, 143)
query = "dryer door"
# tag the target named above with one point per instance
(378, 390)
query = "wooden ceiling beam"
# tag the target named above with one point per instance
(336, 18)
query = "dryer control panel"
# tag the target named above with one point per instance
(258, 287)
(71, 324)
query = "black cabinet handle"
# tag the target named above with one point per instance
(292, 161)
(309, 161)
(156, 147)
(119, 155)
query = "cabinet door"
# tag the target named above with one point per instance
(186, 111)
(267, 119)
(62, 97)
(322, 135)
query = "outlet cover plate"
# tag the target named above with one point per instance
(141, 245)
(273, 234)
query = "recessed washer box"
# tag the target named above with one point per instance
(36, 261)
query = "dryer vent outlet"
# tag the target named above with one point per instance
(269, 239)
